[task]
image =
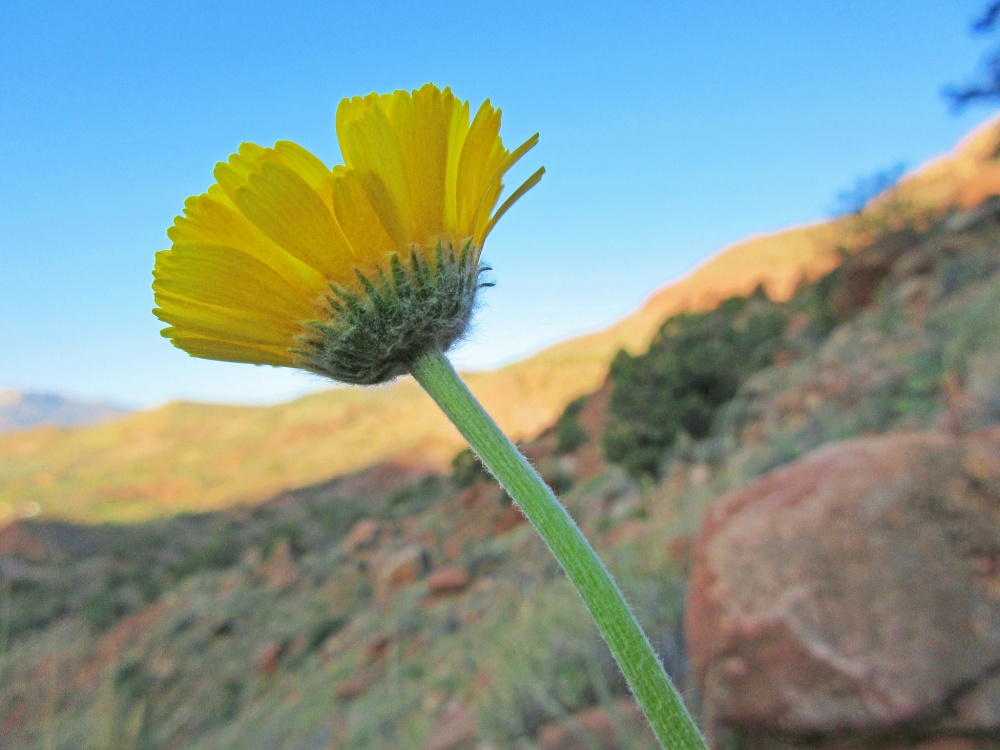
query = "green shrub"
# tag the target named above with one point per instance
(413, 498)
(221, 552)
(559, 481)
(29, 606)
(279, 531)
(104, 607)
(325, 628)
(812, 299)
(570, 432)
(695, 365)
(467, 469)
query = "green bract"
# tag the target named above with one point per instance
(376, 334)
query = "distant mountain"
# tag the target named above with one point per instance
(187, 457)
(21, 409)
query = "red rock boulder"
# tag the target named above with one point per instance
(400, 569)
(449, 580)
(606, 728)
(854, 594)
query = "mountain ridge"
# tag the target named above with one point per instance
(21, 409)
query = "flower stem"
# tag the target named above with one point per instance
(628, 643)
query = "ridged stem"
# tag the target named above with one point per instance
(631, 648)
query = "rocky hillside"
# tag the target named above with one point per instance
(844, 590)
(186, 457)
(824, 521)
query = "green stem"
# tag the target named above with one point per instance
(628, 643)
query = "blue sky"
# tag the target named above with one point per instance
(668, 129)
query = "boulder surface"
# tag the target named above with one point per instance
(852, 599)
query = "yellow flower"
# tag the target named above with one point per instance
(276, 260)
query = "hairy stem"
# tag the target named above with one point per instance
(628, 643)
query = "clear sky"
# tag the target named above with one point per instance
(669, 129)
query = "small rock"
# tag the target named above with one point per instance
(567, 467)
(452, 548)
(680, 549)
(457, 730)
(450, 580)
(511, 518)
(351, 688)
(269, 658)
(629, 532)
(362, 535)
(400, 570)
(596, 727)
(280, 571)
(377, 648)
(699, 475)
(473, 496)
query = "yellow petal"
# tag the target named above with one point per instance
(457, 132)
(371, 149)
(242, 326)
(252, 162)
(474, 165)
(372, 243)
(514, 197)
(234, 172)
(309, 167)
(212, 219)
(492, 189)
(225, 276)
(421, 123)
(285, 208)
(228, 351)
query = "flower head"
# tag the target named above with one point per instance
(349, 272)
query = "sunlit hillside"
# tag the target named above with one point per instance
(187, 456)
